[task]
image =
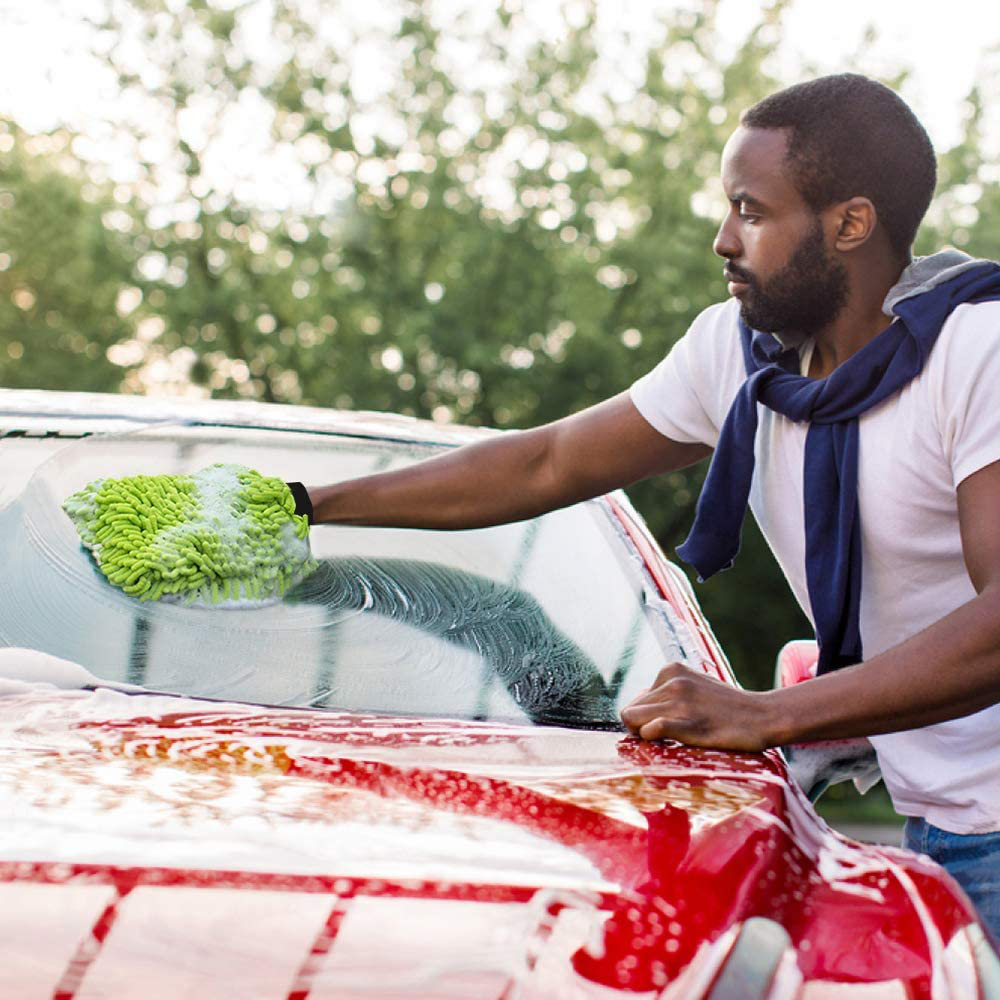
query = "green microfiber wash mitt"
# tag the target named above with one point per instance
(225, 536)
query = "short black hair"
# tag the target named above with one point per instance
(852, 136)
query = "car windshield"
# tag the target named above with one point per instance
(550, 621)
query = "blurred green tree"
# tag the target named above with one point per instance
(489, 219)
(63, 267)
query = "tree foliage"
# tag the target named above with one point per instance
(61, 270)
(498, 224)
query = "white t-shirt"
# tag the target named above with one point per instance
(915, 448)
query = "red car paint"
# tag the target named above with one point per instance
(688, 844)
(164, 847)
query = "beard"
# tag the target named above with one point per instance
(806, 295)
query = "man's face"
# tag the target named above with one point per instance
(777, 260)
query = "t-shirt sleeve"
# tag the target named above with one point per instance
(969, 389)
(686, 396)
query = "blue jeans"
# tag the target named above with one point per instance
(972, 860)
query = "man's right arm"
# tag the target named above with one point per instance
(513, 476)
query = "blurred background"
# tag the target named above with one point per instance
(485, 213)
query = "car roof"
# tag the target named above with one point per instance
(33, 410)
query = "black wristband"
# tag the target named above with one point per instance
(303, 505)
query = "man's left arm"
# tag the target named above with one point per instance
(948, 670)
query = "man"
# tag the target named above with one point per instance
(853, 395)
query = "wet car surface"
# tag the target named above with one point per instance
(407, 779)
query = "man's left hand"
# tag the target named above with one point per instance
(695, 709)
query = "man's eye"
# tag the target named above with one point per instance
(748, 216)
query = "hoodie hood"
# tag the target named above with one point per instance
(925, 273)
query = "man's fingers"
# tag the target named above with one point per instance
(654, 693)
(654, 722)
(656, 729)
(695, 709)
(669, 709)
(671, 687)
(674, 707)
(636, 716)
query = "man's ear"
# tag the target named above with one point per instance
(854, 221)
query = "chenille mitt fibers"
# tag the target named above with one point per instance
(225, 536)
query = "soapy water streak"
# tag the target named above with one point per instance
(547, 674)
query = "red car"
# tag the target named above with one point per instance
(408, 778)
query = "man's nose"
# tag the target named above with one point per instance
(725, 243)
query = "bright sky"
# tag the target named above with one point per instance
(947, 46)
(47, 78)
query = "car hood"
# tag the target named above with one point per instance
(625, 865)
(131, 780)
